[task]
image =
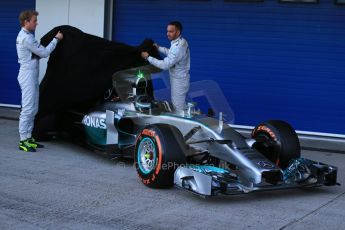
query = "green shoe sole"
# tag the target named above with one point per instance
(25, 149)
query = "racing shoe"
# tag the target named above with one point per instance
(26, 147)
(32, 142)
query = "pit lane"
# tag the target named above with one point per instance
(65, 186)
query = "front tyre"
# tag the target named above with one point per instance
(277, 141)
(159, 150)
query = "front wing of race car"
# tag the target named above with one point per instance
(209, 181)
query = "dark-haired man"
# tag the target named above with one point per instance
(29, 51)
(177, 60)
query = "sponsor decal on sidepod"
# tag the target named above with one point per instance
(94, 122)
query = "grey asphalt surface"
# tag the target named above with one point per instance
(65, 186)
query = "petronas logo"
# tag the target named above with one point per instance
(94, 122)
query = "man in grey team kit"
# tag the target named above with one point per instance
(29, 51)
(177, 60)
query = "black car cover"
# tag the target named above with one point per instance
(78, 73)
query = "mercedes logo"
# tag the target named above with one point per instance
(265, 164)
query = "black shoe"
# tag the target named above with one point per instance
(26, 147)
(33, 143)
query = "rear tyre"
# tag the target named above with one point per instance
(277, 141)
(159, 150)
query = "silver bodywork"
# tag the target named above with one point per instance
(248, 160)
(212, 135)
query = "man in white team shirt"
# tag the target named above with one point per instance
(29, 51)
(177, 60)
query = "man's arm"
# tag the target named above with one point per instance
(163, 50)
(174, 55)
(166, 63)
(40, 50)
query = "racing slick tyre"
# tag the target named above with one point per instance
(277, 141)
(159, 150)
